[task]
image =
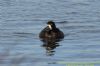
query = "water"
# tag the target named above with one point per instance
(22, 20)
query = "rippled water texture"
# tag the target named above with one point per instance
(22, 20)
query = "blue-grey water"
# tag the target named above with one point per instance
(22, 20)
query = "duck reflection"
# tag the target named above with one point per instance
(50, 45)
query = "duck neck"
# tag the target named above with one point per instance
(53, 27)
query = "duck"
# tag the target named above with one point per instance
(51, 32)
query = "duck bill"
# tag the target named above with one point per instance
(50, 27)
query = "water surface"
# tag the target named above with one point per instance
(22, 20)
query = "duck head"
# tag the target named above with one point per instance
(51, 25)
